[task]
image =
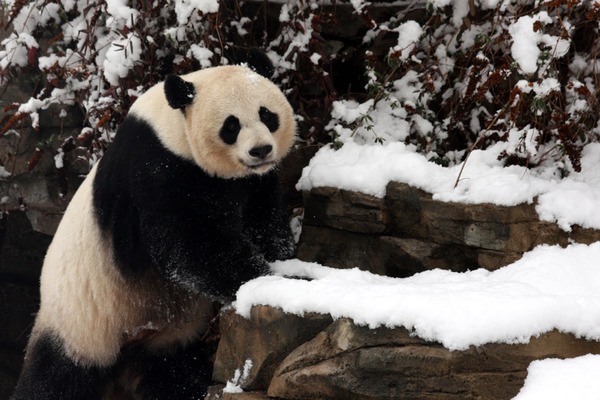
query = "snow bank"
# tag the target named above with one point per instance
(554, 379)
(549, 288)
(369, 168)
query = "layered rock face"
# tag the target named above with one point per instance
(408, 232)
(313, 357)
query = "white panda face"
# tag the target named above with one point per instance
(238, 124)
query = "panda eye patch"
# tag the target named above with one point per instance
(230, 130)
(270, 119)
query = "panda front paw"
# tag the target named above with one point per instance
(280, 249)
(231, 278)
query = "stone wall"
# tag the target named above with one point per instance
(408, 232)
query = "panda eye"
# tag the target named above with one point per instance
(230, 130)
(270, 119)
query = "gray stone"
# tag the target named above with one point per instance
(409, 256)
(342, 249)
(492, 260)
(405, 206)
(340, 209)
(487, 235)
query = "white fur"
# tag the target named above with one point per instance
(221, 92)
(88, 304)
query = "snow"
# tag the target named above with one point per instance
(349, 110)
(549, 288)
(239, 377)
(122, 56)
(14, 50)
(201, 54)
(525, 42)
(408, 34)
(314, 58)
(554, 379)
(119, 10)
(59, 162)
(484, 179)
(4, 173)
(526, 39)
(185, 8)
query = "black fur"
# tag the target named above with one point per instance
(182, 374)
(255, 58)
(161, 211)
(230, 130)
(48, 374)
(270, 119)
(179, 92)
(185, 373)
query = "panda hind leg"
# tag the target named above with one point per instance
(48, 374)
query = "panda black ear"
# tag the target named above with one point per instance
(180, 93)
(255, 58)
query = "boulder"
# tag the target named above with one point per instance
(345, 210)
(347, 361)
(265, 338)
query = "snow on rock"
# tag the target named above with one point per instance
(549, 288)
(369, 168)
(239, 378)
(555, 379)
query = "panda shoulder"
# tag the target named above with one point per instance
(167, 123)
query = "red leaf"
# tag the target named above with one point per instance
(32, 56)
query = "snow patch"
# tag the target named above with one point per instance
(408, 35)
(549, 288)
(555, 379)
(239, 378)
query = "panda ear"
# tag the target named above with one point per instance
(179, 93)
(255, 58)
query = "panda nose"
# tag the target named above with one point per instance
(260, 151)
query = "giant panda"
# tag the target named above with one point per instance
(181, 210)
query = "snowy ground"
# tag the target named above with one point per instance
(549, 288)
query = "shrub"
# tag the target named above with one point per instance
(444, 76)
(479, 73)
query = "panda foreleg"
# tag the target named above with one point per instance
(49, 374)
(205, 256)
(265, 220)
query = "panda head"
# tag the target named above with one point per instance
(236, 122)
